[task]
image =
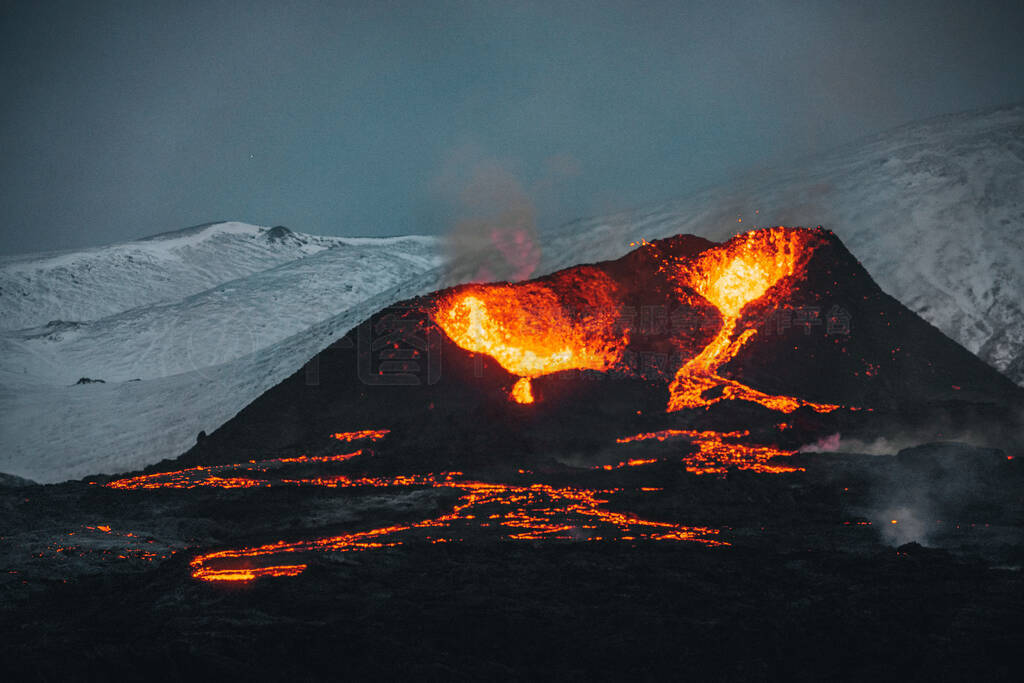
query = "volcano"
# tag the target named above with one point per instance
(775, 326)
(464, 476)
(707, 357)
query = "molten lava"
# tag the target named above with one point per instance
(522, 391)
(207, 476)
(567, 322)
(718, 451)
(730, 276)
(517, 512)
(532, 511)
(359, 435)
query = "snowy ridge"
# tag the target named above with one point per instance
(231, 320)
(57, 433)
(173, 367)
(934, 211)
(87, 284)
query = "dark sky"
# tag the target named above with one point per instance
(123, 119)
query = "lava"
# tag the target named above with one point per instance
(567, 322)
(207, 476)
(517, 512)
(367, 434)
(534, 511)
(570, 320)
(718, 451)
(730, 276)
(522, 392)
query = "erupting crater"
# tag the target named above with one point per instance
(566, 322)
(730, 276)
(572, 320)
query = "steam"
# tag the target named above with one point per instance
(890, 445)
(920, 492)
(904, 524)
(495, 235)
(827, 444)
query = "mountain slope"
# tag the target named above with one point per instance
(53, 433)
(934, 210)
(89, 284)
(230, 320)
(176, 367)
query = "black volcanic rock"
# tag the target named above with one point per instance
(13, 481)
(889, 357)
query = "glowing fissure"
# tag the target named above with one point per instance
(363, 434)
(731, 276)
(533, 329)
(718, 451)
(517, 512)
(206, 476)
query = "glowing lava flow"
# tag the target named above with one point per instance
(730, 276)
(206, 476)
(534, 511)
(715, 455)
(537, 328)
(367, 434)
(568, 321)
(518, 512)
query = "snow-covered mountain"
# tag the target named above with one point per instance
(174, 366)
(52, 433)
(83, 285)
(228, 321)
(209, 318)
(934, 210)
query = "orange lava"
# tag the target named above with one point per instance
(207, 476)
(633, 462)
(566, 322)
(245, 575)
(370, 434)
(718, 451)
(730, 276)
(516, 512)
(522, 392)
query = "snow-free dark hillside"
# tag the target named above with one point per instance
(87, 284)
(934, 210)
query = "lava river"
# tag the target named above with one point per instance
(529, 511)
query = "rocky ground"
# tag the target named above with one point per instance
(816, 582)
